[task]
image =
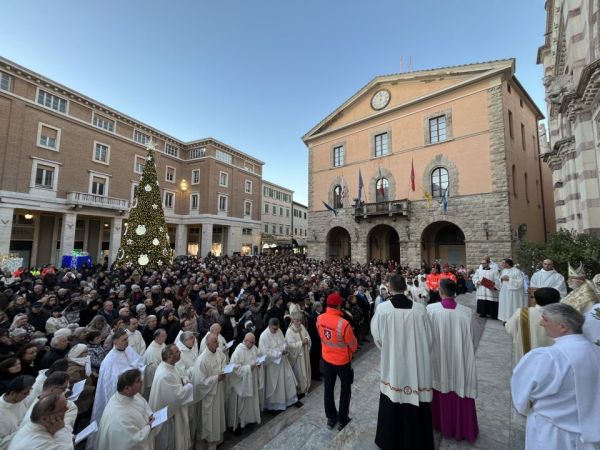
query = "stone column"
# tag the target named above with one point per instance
(181, 240)
(115, 238)
(233, 240)
(67, 233)
(206, 239)
(6, 222)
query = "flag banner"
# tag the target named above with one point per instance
(344, 189)
(360, 186)
(381, 186)
(412, 175)
(444, 201)
(330, 208)
(428, 198)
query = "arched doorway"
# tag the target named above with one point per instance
(445, 242)
(383, 243)
(338, 243)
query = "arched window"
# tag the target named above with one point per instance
(337, 197)
(381, 190)
(514, 180)
(526, 188)
(439, 181)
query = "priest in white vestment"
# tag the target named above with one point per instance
(136, 341)
(280, 382)
(209, 386)
(215, 329)
(524, 326)
(13, 407)
(127, 418)
(298, 344)
(487, 297)
(548, 277)
(557, 387)
(47, 419)
(402, 332)
(152, 358)
(169, 389)
(119, 359)
(511, 292)
(247, 385)
(186, 343)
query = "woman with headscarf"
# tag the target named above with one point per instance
(100, 324)
(80, 368)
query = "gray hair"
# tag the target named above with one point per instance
(185, 335)
(166, 352)
(563, 314)
(158, 332)
(55, 340)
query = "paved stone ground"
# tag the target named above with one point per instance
(500, 427)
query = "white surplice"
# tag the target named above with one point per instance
(453, 351)
(537, 334)
(591, 326)
(562, 383)
(35, 437)
(115, 363)
(404, 338)
(222, 345)
(299, 355)
(280, 381)
(187, 360)
(136, 341)
(210, 410)
(125, 424)
(152, 358)
(482, 292)
(37, 387)
(549, 278)
(247, 385)
(512, 296)
(66, 433)
(11, 415)
(169, 389)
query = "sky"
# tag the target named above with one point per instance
(258, 74)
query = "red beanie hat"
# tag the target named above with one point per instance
(334, 299)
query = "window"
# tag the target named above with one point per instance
(98, 184)
(139, 163)
(382, 186)
(266, 227)
(196, 153)
(101, 153)
(170, 174)
(48, 137)
(247, 208)
(222, 203)
(225, 157)
(133, 188)
(4, 81)
(247, 231)
(514, 179)
(510, 125)
(281, 211)
(304, 216)
(287, 212)
(140, 137)
(248, 166)
(274, 228)
(523, 144)
(248, 187)
(280, 229)
(103, 122)
(52, 101)
(526, 187)
(337, 197)
(437, 129)
(296, 231)
(169, 200)
(287, 231)
(266, 208)
(381, 144)
(439, 182)
(170, 149)
(196, 176)
(44, 176)
(274, 210)
(338, 156)
(265, 191)
(508, 88)
(521, 102)
(223, 179)
(194, 201)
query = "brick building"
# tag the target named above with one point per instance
(68, 166)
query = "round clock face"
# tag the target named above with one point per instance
(381, 99)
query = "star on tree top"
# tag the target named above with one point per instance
(151, 145)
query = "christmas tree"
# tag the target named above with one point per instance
(145, 240)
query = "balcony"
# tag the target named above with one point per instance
(80, 199)
(391, 208)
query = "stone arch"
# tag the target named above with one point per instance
(371, 191)
(445, 241)
(383, 243)
(338, 243)
(445, 162)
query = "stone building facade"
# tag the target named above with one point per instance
(68, 166)
(464, 136)
(299, 227)
(276, 217)
(571, 60)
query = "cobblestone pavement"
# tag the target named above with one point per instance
(500, 427)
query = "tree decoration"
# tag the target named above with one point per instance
(144, 242)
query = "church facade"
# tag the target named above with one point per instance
(438, 164)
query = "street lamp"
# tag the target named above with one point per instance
(183, 185)
(28, 216)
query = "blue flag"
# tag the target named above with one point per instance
(444, 201)
(360, 186)
(330, 208)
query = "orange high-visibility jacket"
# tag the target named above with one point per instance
(337, 339)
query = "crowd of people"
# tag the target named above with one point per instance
(172, 358)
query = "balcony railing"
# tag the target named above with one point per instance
(97, 201)
(390, 208)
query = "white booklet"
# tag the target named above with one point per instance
(160, 417)
(86, 432)
(77, 390)
(261, 360)
(229, 368)
(229, 344)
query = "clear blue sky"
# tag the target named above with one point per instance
(258, 74)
